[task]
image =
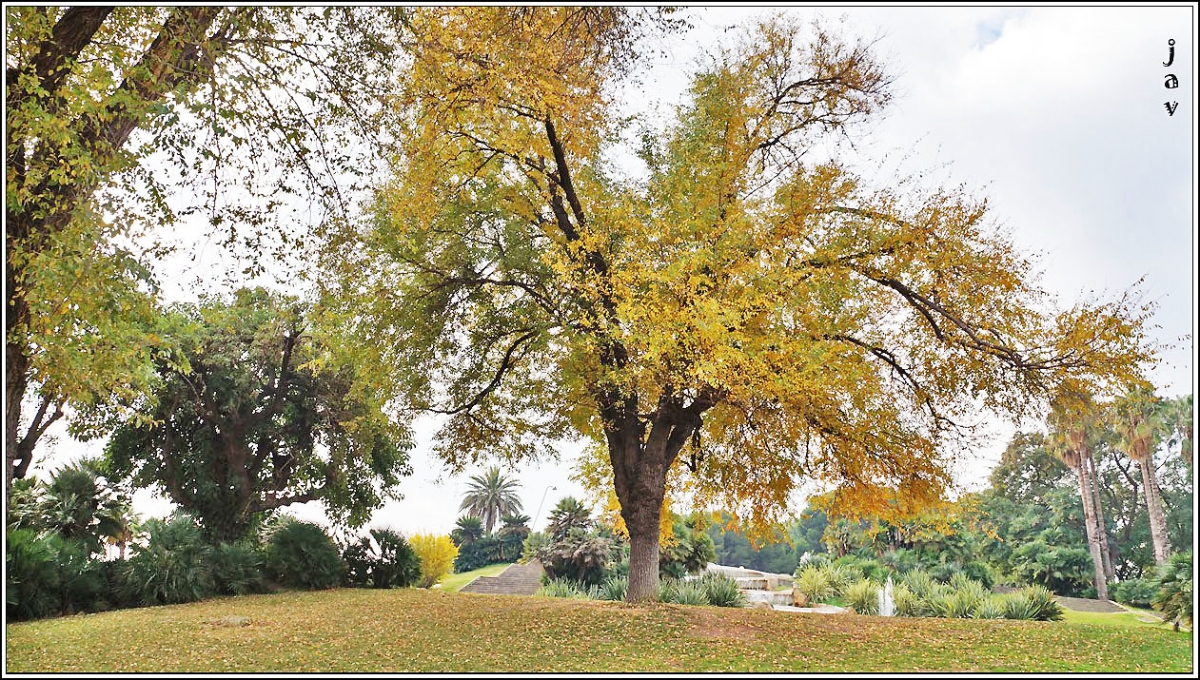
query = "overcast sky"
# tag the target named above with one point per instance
(1055, 114)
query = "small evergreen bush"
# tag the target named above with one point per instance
(173, 567)
(394, 564)
(907, 602)
(1033, 603)
(237, 569)
(301, 555)
(919, 582)
(1174, 595)
(31, 567)
(666, 589)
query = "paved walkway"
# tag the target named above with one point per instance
(519, 579)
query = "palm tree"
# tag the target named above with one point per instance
(1136, 418)
(118, 524)
(1069, 421)
(567, 515)
(514, 525)
(1178, 416)
(467, 530)
(490, 497)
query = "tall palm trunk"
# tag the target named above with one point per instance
(1078, 458)
(1154, 506)
(1089, 521)
(1101, 527)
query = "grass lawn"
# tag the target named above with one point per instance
(454, 582)
(398, 631)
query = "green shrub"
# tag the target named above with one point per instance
(992, 607)
(690, 593)
(722, 591)
(919, 581)
(962, 604)
(907, 602)
(863, 596)
(173, 567)
(478, 553)
(862, 568)
(942, 572)
(900, 561)
(979, 571)
(816, 583)
(302, 555)
(31, 567)
(534, 546)
(561, 587)
(840, 577)
(1033, 603)
(666, 589)
(395, 563)
(358, 558)
(81, 578)
(1136, 592)
(958, 580)
(1019, 607)
(237, 569)
(969, 591)
(1174, 595)
(614, 588)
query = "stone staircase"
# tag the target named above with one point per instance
(519, 579)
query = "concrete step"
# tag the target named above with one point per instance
(519, 579)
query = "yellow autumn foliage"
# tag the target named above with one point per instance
(739, 323)
(437, 555)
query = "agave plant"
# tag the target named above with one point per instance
(991, 608)
(722, 591)
(561, 587)
(816, 583)
(863, 596)
(614, 588)
(690, 593)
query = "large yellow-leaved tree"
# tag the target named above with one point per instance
(743, 313)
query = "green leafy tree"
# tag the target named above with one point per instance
(264, 416)
(256, 94)
(490, 496)
(736, 312)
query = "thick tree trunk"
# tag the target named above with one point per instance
(1154, 505)
(640, 466)
(1085, 494)
(15, 381)
(643, 565)
(641, 495)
